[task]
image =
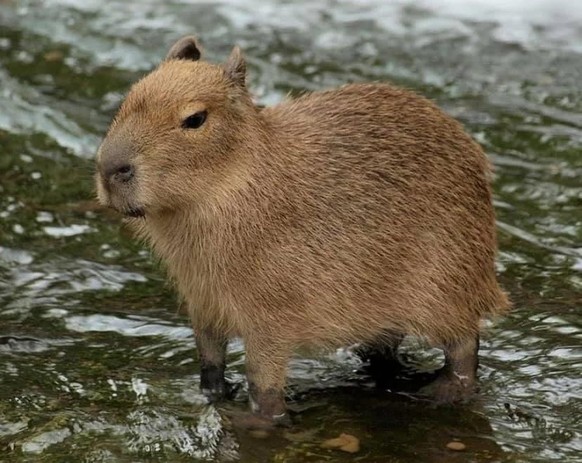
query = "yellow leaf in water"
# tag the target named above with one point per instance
(456, 445)
(345, 442)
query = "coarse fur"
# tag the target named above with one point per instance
(329, 219)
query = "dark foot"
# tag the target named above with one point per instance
(214, 386)
(383, 363)
(211, 346)
(382, 359)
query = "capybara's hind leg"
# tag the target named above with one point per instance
(211, 346)
(457, 379)
(382, 356)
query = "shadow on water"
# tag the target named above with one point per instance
(96, 362)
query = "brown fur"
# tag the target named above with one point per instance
(329, 219)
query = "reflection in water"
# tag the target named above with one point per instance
(97, 363)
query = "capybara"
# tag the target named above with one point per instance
(355, 215)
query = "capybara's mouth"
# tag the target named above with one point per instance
(134, 212)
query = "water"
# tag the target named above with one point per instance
(98, 365)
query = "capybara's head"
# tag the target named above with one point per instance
(175, 137)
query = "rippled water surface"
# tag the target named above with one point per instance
(96, 362)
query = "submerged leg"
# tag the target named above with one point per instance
(456, 381)
(266, 372)
(211, 347)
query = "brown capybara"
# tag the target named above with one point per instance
(355, 215)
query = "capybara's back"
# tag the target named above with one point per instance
(380, 217)
(361, 214)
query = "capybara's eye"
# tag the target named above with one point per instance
(195, 120)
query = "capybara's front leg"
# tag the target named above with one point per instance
(211, 345)
(266, 365)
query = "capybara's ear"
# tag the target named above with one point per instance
(186, 48)
(236, 67)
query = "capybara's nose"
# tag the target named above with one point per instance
(118, 172)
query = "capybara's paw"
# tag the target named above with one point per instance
(212, 383)
(214, 386)
(221, 391)
(449, 389)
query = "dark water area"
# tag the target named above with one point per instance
(96, 362)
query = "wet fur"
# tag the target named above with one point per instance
(325, 220)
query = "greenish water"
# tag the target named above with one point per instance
(96, 363)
